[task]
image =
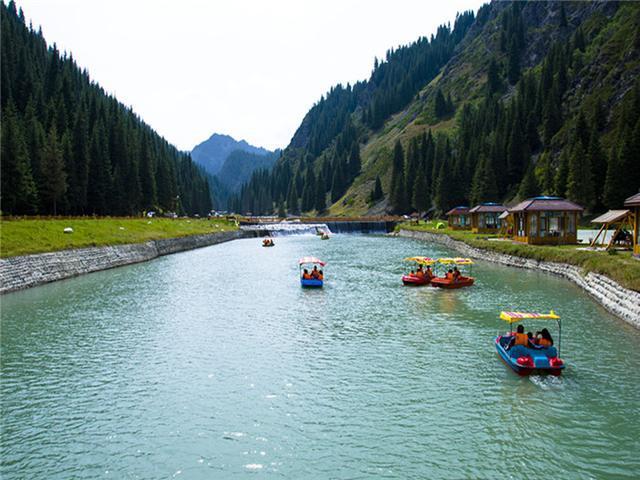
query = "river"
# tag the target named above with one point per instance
(214, 363)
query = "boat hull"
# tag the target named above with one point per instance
(541, 358)
(450, 284)
(415, 281)
(313, 283)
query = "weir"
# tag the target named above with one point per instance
(302, 228)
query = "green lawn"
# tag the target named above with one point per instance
(25, 236)
(619, 266)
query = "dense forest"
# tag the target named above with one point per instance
(552, 109)
(70, 148)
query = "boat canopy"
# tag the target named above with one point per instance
(513, 317)
(457, 261)
(304, 260)
(421, 260)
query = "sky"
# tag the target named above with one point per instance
(247, 68)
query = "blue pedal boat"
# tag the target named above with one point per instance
(311, 282)
(530, 359)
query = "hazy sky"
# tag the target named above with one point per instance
(247, 68)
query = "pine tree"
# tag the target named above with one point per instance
(338, 184)
(281, 211)
(53, 171)
(354, 161)
(377, 193)
(292, 198)
(563, 16)
(421, 192)
(398, 194)
(19, 194)
(483, 186)
(443, 200)
(320, 194)
(580, 178)
(613, 195)
(529, 186)
(562, 172)
(598, 166)
(440, 105)
(493, 78)
(546, 174)
(513, 62)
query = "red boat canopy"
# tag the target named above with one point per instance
(304, 260)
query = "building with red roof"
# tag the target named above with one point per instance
(459, 218)
(546, 221)
(485, 217)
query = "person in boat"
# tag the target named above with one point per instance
(320, 275)
(456, 274)
(519, 338)
(314, 272)
(306, 275)
(449, 275)
(412, 272)
(428, 273)
(545, 339)
(420, 272)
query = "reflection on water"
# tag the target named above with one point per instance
(214, 363)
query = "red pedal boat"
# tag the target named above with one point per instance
(449, 280)
(415, 280)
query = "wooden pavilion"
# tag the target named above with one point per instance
(620, 220)
(546, 221)
(485, 217)
(459, 218)
(633, 203)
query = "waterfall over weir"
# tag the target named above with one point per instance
(300, 228)
(286, 228)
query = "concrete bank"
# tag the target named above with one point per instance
(17, 273)
(620, 301)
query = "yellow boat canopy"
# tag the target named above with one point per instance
(513, 317)
(421, 260)
(457, 261)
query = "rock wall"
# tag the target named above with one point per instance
(620, 301)
(17, 273)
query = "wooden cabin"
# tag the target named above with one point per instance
(485, 218)
(633, 203)
(546, 221)
(459, 218)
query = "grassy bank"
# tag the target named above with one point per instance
(26, 236)
(619, 266)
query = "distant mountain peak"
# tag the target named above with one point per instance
(213, 152)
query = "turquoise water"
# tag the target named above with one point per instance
(214, 363)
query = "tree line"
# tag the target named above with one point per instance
(70, 148)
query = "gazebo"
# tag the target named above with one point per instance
(459, 218)
(485, 217)
(633, 203)
(618, 219)
(546, 221)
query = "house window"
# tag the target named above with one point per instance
(572, 223)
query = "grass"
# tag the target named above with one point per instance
(620, 266)
(38, 235)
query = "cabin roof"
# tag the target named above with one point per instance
(611, 216)
(549, 204)
(504, 215)
(633, 201)
(459, 210)
(488, 208)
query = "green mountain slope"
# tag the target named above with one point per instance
(522, 98)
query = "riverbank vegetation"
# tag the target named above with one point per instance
(619, 266)
(38, 235)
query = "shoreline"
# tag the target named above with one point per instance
(26, 271)
(616, 299)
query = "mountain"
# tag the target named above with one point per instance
(213, 152)
(69, 148)
(519, 99)
(240, 165)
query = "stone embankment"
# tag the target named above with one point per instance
(620, 301)
(17, 273)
